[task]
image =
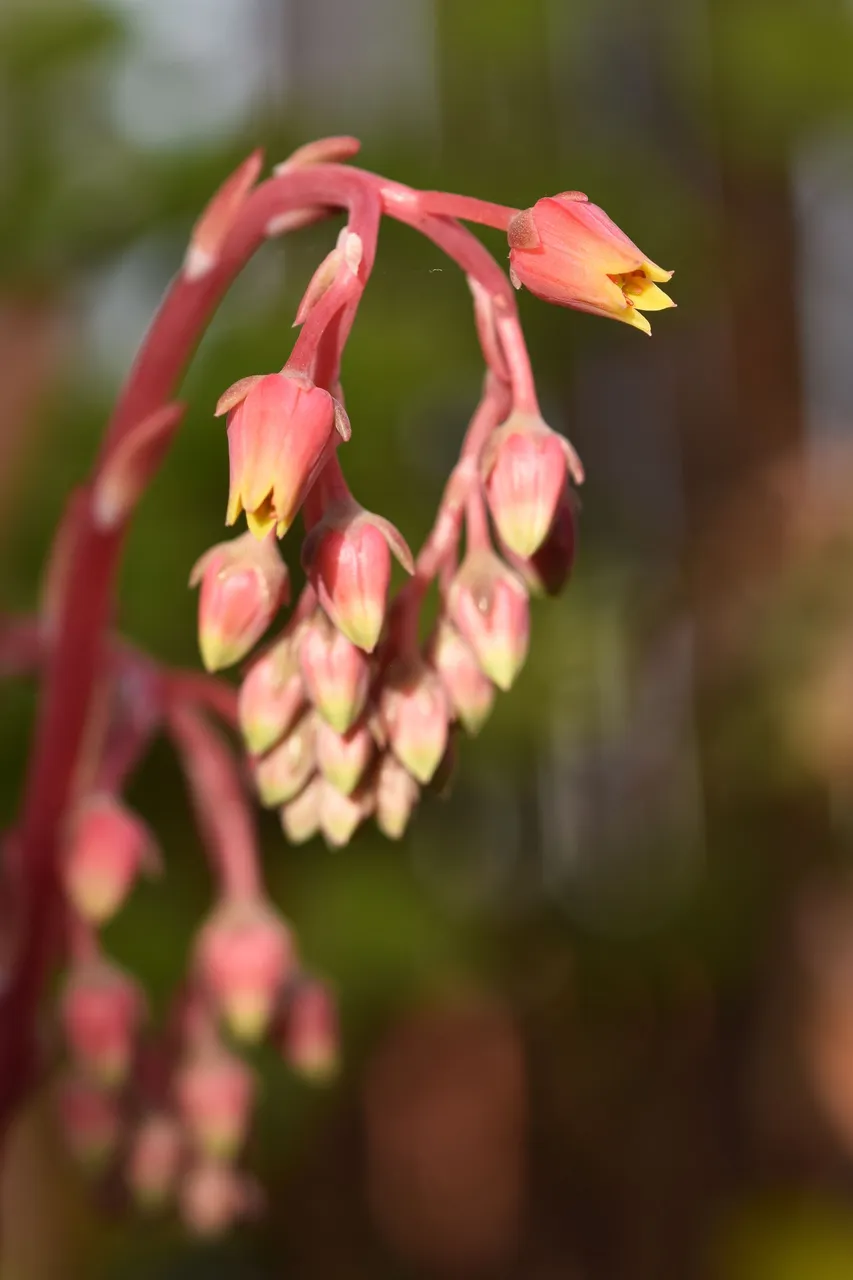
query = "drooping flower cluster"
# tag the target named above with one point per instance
(344, 713)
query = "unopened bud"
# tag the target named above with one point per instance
(90, 1120)
(213, 1196)
(524, 470)
(343, 758)
(300, 817)
(488, 603)
(215, 1091)
(243, 956)
(470, 691)
(243, 584)
(107, 846)
(347, 557)
(154, 1160)
(282, 774)
(271, 696)
(311, 1034)
(415, 713)
(396, 794)
(340, 815)
(335, 671)
(548, 570)
(101, 1010)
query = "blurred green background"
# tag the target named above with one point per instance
(598, 1005)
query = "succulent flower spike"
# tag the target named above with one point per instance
(107, 846)
(471, 693)
(415, 713)
(244, 955)
(347, 557)
(335, 671)
(272, 695)
(547, 571)
(566, 250)
(524, 468)
(243, 584)
(281, 431)
(488, 603)
(101, 1011)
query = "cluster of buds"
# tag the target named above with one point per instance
(345, 714)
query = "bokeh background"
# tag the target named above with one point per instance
(598, 1005)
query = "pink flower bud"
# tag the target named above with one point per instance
(396, 794)
(336, 673)
(154, 1160)
(471, 693)
(488, 603)
(213, 1197)
(280, 434)
(548, 570)
(347, 557)
(415, 714)
(101, 1010)
(311, 1034)
(282, 774)
(243, 956)
(106, 848)
(271, 696)
(243, 584)
(343, 758)
(524, 469)
(567, 251)
(215, 1092)
(340, 815)
(90, 1120)
(300, 818)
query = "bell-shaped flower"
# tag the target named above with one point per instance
(343, 758)
(101, 1011)
(395, 795)
(215, 1091)
(488, 603)
(524, 469)
(347, 558)
(243, 957)
(300, 817)
(271, 696)
(243, 583)
(566, 250)
(310, 1042)
(340, 815)
(415, 713)
(281, 431)
(213, 1196)
(282, 774)
(90, 1120)
(154, 1159)
(547, 571)
(106, 847)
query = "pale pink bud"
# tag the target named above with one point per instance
(243, 956)
(282, 774)
(347, 557)
(215, 1091)
(524, 469)
(341, 815)
(271, 696)
(106, 848)
(213, 1196)
(488, 603)
(154, 1159)
(300, 818)
(101, 1011)
(311, 1033)
(280, 435)
(396, 794)
(471, 693)
(343, 758)
(415, 714)
(568, 251)
(335, 671)
(548, 570)
(90, 1120)
(244, 582)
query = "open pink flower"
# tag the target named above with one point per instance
(567, 251)
(281, 430)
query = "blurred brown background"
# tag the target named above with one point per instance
(598, 1006)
